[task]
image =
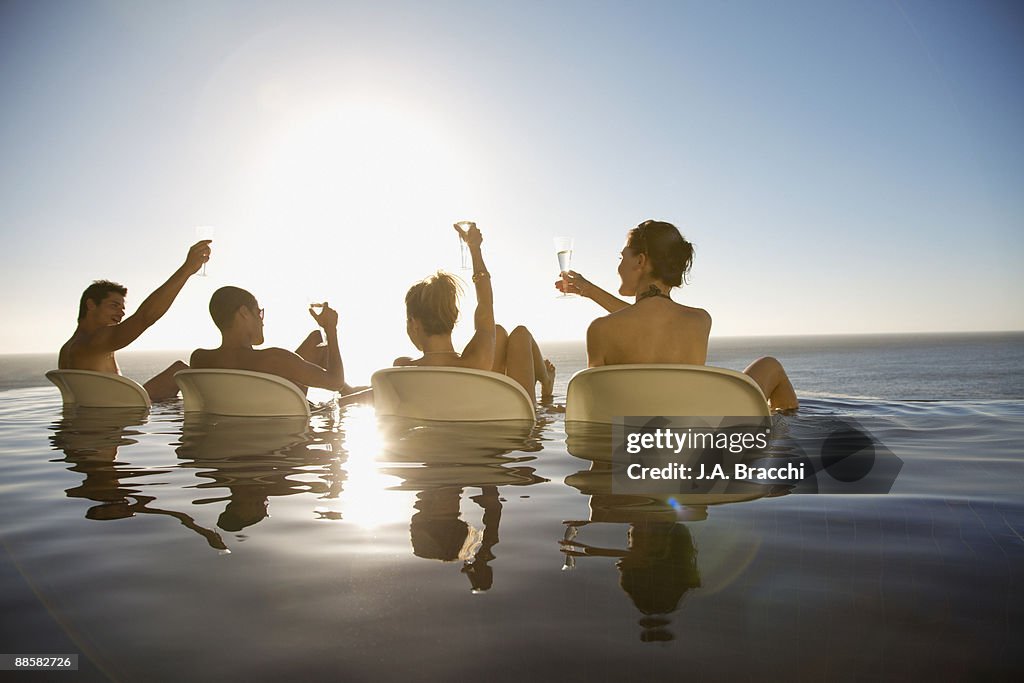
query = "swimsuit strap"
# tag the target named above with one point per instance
(652, 291)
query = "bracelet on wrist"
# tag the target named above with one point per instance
(480, 275)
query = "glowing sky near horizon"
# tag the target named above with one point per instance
(842, 167)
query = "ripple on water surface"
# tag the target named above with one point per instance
(351, 541)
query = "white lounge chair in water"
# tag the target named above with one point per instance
(98, 389)
(450, 394)
(600, 394)
(240, 393)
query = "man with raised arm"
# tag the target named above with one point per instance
(239, 318)
(103, 329)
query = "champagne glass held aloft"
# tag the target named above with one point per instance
(204, 232)
(314, 301)
(563, 249)
(466, 262)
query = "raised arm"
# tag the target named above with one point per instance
(575, 283)
(292, 367)
(479, 352)
(156, 304)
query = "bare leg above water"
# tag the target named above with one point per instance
(525, 364)
(163, 387)
(500, 349)
(771, 377)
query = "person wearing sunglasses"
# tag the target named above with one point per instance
(238, 316)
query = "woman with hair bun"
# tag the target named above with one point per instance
(432, 307)
(655, 329)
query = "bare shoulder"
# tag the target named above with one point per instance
(611, 320)
(698, 314)
(64, 355)
(603, 324)
(80, 353)
(599, 322)
(200, 358)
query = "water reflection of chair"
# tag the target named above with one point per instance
(439, 461)
(240, 393)
(658, 566)
(254, 460)
(98, 389)
(441, 393)
(600, 394)
(90, 439)
(593, 442)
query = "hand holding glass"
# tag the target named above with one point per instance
(204, 232)
(563, 249)
(466, 262)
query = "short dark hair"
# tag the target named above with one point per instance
(671, 255)
(225, 302)
(97, 292)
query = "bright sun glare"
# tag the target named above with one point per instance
(355, 197)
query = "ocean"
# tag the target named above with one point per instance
(157, 547)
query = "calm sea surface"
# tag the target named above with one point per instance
(163, 548)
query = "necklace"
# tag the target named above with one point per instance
(652, 291)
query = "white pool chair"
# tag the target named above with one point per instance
(98, 389)
(451, 394)
(240, 393)
(600, 394)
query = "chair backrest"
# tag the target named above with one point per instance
(98, 389)
(600, 394)
(451, 394)
(241, 393)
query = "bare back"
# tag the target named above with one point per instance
(654, 330)
(273, 361)
(449, 360)
(81, 353)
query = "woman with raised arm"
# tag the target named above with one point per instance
(655, 329)
(432, 307)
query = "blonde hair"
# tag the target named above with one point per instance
(435, 302)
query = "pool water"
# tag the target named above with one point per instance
(164, 548)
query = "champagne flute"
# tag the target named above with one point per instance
(563, 249)
(315, 301)
(569, 563)
(466, 262)
(203, 232)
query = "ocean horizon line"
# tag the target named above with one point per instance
(812, 335)
(580, 340)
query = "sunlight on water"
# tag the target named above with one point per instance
(366, 500)
(366, 540)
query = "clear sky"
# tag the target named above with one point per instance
(842, 166)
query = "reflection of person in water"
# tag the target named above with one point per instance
(90, 440)
(438, 533)
(656, 570)
(253, 461)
